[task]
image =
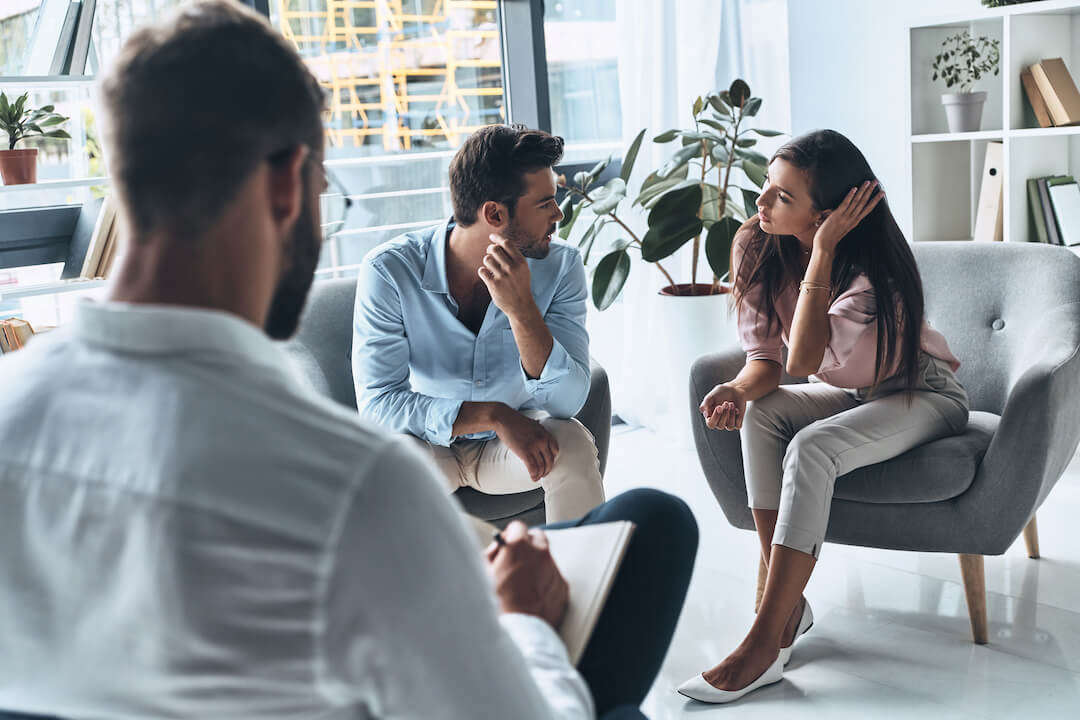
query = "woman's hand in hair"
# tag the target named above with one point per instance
(724, 407)
(838, 223)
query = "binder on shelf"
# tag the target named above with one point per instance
(81, 48)
(989, 225)
(1065, 197)
(1058, 90)
(1036, 211)
(1035, 98)
(61, 62)
(1052, 234)
(99, 239)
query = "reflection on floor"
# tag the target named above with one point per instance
(892, 638)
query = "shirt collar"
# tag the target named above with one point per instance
(435, 268)
(172, 330)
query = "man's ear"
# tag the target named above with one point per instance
(495, 214)
(286, 186)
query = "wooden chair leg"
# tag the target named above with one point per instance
(1031, 538)
(762, 574)
(973, 571)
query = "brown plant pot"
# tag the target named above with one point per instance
(695, 289)
(18, 167)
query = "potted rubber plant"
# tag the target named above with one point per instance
(694, 198)
(962, 62)
(18, 122)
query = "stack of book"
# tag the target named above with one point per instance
(103, 242)
(1055, 208)
(1052, 93)
(14, 333)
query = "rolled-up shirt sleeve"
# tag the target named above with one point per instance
(380, 365)
(563, 385)
(760, 338)
(853, 328)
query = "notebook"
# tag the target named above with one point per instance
(589, 557)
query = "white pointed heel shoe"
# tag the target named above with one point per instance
(805, 623)
(697, 689)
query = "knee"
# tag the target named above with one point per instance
(577, 448)
(765, 412)
(659, 516)
(809, 445)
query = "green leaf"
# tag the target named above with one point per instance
(648, 196)
(3, 104)
(609, 196)
(581, 179)
(718, 245)
(766, 133)
(751, 107)
(672, 222)
(710, 204)
(609, 278)
(720, 155)
(746, 142)
(58, 134)
(725, 97)
(755, 173)
(680, 158)
(699, 103)
(749, 201)
(666, 136)
(599, 168)
(718, 105)
(568, 222)
(739, 92)
(698, 136)
(631, 156)
(34, 128)
(754, 157)
(586, 244)
(714, 124)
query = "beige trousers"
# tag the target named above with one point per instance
(799, 438)
(571, 489)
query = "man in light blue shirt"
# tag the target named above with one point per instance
(471, 337)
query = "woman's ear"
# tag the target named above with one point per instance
(821, 217)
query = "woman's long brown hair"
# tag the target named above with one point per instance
(876, 247)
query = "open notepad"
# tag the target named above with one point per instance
(589, 557)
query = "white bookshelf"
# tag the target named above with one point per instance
(946, 168)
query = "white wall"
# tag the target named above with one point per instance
(849, 72)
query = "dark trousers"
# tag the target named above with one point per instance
(635, 628)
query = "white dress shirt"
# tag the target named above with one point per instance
(188, 532)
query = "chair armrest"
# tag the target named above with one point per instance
(719, 451)
(1039, 429)
(596, 413)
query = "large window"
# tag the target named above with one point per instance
(407, 81)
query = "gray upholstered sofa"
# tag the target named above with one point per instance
(1011, 313)
(322, 350)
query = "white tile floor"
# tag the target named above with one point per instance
(891, 638)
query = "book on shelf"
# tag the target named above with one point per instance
(14, 334)
(99, 239)
(1065, 199)
(1036, 211)
(1058, 91)
(61, 62)
(1035, 98)
(1047, 211)
(989, 225)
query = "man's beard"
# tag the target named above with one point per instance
(530, 247)
(291, 293)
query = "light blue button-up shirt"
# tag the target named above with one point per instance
(414, 363)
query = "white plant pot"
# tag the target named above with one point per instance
(963, 111)
(691, 326)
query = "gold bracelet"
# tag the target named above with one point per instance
(807, 285)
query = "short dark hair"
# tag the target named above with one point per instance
(194, 104)
(491, 165)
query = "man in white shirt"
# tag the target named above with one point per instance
(186, 532)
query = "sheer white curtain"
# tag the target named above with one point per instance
(671, 51)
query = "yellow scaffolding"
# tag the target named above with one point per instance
(361, 49)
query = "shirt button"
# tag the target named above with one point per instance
(998, 324)
(480, 383)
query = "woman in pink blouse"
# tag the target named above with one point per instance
(823, 271)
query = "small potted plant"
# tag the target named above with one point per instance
(19, 167)
(962, 62)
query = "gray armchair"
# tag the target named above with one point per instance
(1011, 313)
(322, 350)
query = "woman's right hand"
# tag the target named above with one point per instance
(724, 407)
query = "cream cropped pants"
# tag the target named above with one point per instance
(572, 488)
(799, 438)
